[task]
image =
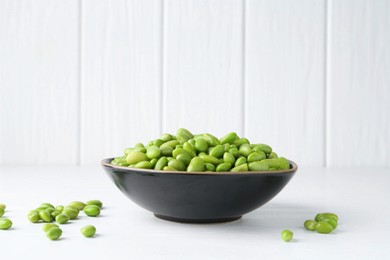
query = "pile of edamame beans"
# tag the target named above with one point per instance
(202, 153)
(323, 223)
(48, 213)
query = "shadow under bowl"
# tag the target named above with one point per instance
(203, 197)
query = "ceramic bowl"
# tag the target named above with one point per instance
(202, 197)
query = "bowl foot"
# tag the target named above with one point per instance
(197, 221)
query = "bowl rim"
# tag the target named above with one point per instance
(107, 163)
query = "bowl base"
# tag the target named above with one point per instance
(197, 221)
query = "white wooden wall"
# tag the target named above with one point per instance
(82, 79)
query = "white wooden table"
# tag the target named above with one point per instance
(126, 231)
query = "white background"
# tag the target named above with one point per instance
(80, 80)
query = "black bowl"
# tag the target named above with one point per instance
(201, 197)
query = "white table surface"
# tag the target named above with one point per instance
(125, 231)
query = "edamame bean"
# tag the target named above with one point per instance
(234, 152)
(209, 167)
(33, 217)
(287, 235)
(217, 151)
(88, 231)
(45, 215)
(224, 167)
(1, 212)
(153, 162)
(71, 212)
(95, 202)
(229, 138)
(166, 150)
(54, 233)
(241, 141)
(177, 164)
(46, 205)
(185, 158)
(196, 165)
(240, 160)
(265, 148)
(136, 157)
(209, 159)
(2, 206)
(184, 132)
(62, 218)
(201, 145)
(323, 227)
(258, 166)
(166, 137)
(161, 163)
(272, 155)
(229, 158)
(144, 165)
(5, 223)
(158, 142)
(153, 152)
(256, 156)
(92, 210)
(77, 205)
(55, 213)
(60, 208)
(211, 140)
(240, 168)
(310, 224)
(48, 226)
(245, 150)
(178, 151)
(327, 214)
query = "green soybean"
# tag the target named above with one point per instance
(77, 205)
(310, 224)
(258, 166)
(240, 168)
(185, 158)
(1, 212)
(95, 202)
(224, 167)
(177, 164)
(166, 150)
(323, 227)
(136, 157)
(62, 218)
(229, 158)
(54, 233)
(88, 231)
(161, 163)
(143, 165)
(48, 226)
(272, 155)
(33, 217)
(47, 205)
(217, 151)
(71, 212)
(92, 210)
(201, 145)
(245, 150)
(184, 132)
(166, 137)
(158, 142)
(287, 235)
(5, 223)
(229, 138)
(239, 161)
(2, 206)
(45, 215)
(169, 168)
(55, 213)
(196, 165)
(234, 152)
(60, 208)
(211, 139)
(209, 159)
(209, 167)
(256, 156)
(153, 152)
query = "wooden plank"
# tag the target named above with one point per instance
(121, 82)
(359, 83)
(284, 101)
(203, 65)
(39, 82)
